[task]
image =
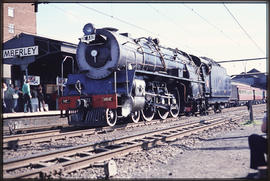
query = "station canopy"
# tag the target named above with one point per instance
(41, 56)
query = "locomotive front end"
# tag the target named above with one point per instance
(97, 52)
(137, 78)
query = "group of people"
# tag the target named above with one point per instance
(21, 100)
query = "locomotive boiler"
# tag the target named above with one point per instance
(123, 77)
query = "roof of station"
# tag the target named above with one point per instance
(26, 48)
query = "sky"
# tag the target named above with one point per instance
(229, 31)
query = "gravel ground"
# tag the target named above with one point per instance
(27, 150)
(187, 158)
(221, 155)
(218, 153)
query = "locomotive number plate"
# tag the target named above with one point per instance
(88, 38)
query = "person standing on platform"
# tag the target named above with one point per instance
(27, 96)
(34, 100)
(4, 106)
(10, 98)
(15, 97)
(41, 98)
(19, 106)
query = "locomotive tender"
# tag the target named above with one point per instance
(138, 78)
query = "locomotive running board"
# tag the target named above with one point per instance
(168, 76)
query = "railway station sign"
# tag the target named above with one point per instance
(20, 52)
(33, 80)
(60, 81)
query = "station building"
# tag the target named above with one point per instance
(17, 18)
(253, 78)
(40, 59)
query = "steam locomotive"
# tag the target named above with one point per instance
(123, 77)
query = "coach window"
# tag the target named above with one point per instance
(11, 28)
(10, 12)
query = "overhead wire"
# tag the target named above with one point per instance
(108, 15)
(243, 29)
(167, 17)
(211, 24)
(220, 30)
(105, 14)
(172, 21)
(68, 13)
(116, 18)
(240, 60)
(125, 22)
(144, 29)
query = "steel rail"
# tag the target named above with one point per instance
(53, 135)
(22, 161)
(104, 150)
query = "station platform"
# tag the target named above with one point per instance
(31, 114)
(13, 122)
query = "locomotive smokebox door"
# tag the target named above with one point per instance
(98, 55)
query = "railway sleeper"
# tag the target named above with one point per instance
(44, 164)
(128, 143)
(108, 152)
(151, 144)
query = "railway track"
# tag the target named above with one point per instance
(70, 159)
(13, 129)
(53, 135)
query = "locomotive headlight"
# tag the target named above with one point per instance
(88, 29)
(94, 53)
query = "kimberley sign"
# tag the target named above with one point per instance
(20, 52)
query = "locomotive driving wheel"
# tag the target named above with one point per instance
(175, 107)
(148, 113)
(111, 116)
(162, 113)
(135, 116)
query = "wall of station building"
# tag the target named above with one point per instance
(17, 18)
